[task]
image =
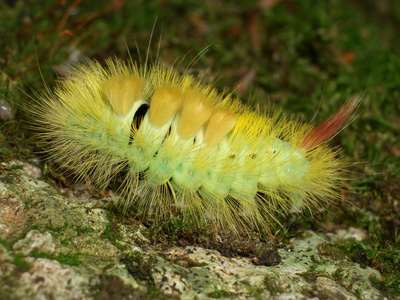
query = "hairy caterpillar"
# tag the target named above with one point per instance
(182, 146)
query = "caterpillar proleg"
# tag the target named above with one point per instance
(181, 146)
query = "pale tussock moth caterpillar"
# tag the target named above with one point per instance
(183, 146)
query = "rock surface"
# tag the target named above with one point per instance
(52, 247)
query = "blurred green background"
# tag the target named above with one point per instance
(302, 56)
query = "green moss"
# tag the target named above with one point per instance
(384, 258)
(111, 232)
(19, 260)
(5, 243)
(81, 230)
(71, 259)
(66, 242)
(338, 274)
(15, 142)
(139, 267)
(178, 227)
(218, 294)
(313, 272)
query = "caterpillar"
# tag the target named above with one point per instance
(179, 145)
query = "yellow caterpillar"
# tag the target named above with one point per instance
(183, 147)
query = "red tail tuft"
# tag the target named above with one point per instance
(331, 126)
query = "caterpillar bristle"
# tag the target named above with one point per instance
(182, 147)
(331, 125)
(165, 103)
(123, 91)
(196, 110)
(221, 122)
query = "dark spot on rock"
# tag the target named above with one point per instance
(189, 251)
(268, 258)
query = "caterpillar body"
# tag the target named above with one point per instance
(182, 146)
